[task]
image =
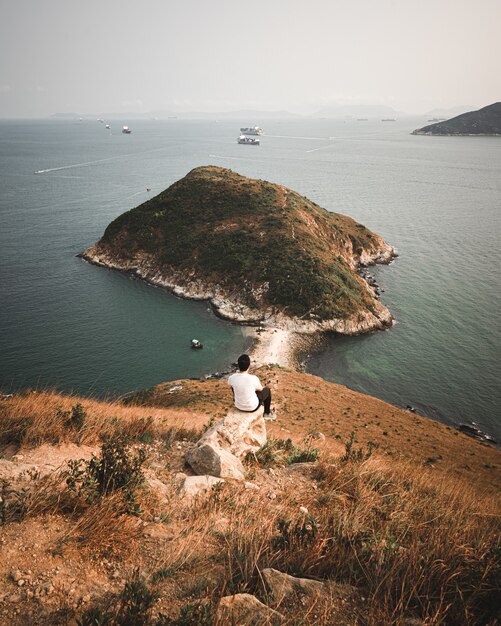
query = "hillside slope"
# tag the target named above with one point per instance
(256, 250)
(406, 535)
(485, 121)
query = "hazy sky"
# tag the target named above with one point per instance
(215, 55)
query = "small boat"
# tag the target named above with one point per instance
(126, 130)
(107, 126)
(196, 345)
(148, 188)
(252, 130)
(251, 141)
(389, 119)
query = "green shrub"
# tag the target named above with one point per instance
(302, 455)
(136, 603)
(115, 469)
(132, 608)
(199, 614)
(293, 534)
(356, 455)
(77, 416)
(163, 573)
(95, 616)
(276, 452)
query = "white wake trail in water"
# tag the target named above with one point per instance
(321, 148)
(86, 163)
(293, 137)
(218, 156)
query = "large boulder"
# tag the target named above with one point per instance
(215, 461)
(223, 445)
(246, 610)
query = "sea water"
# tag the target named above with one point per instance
(76, 327)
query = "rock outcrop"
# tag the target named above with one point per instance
(221, 448)
(44, 460)
(246, 610)
(282, 586)
(195, 485)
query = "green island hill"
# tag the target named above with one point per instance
(484, 122)
(259, 252)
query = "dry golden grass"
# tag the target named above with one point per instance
(409, 544)
(38, 496)
(104, 529)
(33, 418)
(412, 541)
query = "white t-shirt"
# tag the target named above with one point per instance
(244, 388)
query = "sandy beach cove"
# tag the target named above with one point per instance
(279, 346)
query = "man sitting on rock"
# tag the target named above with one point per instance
(248, 392)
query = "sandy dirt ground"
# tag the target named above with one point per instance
(279, 346)
(273, 345)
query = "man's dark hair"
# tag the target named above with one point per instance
(243, 362)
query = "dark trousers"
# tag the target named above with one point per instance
(265, 399)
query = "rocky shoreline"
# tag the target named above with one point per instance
(285, 336)
(431, 134)
(228, 307)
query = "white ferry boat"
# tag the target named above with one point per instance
(126, 130)
(251, 141)
(253, 130)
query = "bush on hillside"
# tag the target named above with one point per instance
(115, 469)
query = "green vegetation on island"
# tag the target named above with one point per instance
(485, 121)
(260, 244)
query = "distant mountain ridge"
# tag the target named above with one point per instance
(244, 114)
(447, 113)
(356, 110)
(484, 122)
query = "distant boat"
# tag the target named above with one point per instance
(253, 130)
(100, 120)
(107, 126)
(251, 141)
(126, 130)
(437, 119)
(389, 119)
(362, 119)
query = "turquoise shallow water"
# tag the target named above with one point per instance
(68, 324)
